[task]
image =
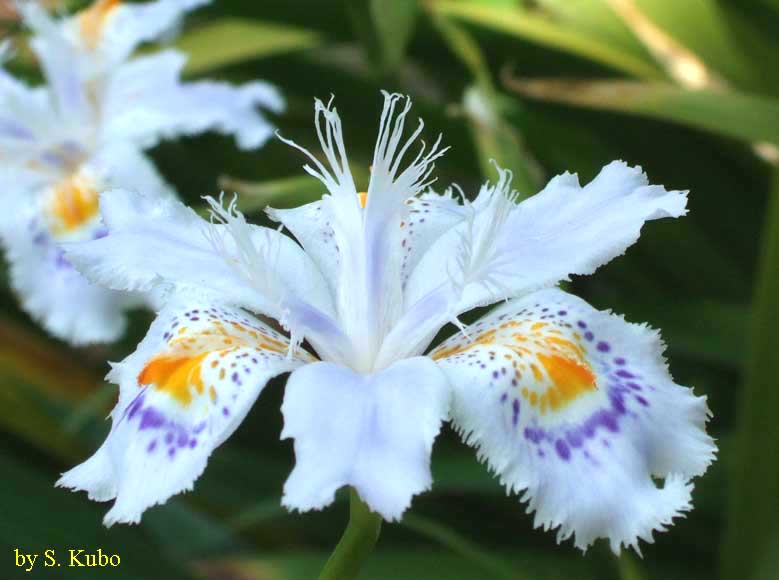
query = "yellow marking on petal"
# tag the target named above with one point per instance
(72, 203)
(178, 373)
(484, 339)
(176, 376)
(363, 198)
(92, 21)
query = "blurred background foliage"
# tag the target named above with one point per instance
(689, 89)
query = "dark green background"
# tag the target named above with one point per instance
(710, 281)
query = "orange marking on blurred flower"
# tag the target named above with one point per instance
(92, 21)
(72, 203)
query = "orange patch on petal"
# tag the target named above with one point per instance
(180, 377)
(570, 379)
(363, 198)
(92, 21)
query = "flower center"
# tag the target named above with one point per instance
(72, 203)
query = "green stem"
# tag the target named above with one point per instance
(356, 544)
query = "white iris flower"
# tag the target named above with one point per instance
(85, 131)
(572, 407)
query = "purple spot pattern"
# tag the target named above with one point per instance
(617, 380)
(153, 414)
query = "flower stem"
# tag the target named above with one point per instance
(356, 544)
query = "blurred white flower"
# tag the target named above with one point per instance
(84, 131)
(572, 407)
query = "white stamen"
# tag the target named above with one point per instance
(387, 186)
(479, 260)
(338, 179)
(248, 261)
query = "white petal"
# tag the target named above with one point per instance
(576, 408)
(312, 227)
(112, 30)
(55, 294)
(152, 241)
(65, 69)
(146, 101)
(429, 216)
(27, 120)
(373, 432)
(505, 250)
(120, 165)
(184, 391)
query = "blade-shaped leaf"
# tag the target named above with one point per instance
(749, 551)
(229, 41)
(538, 27)
(498, 141)
(733, 114)
(385, 29)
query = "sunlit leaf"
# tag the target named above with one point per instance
(732, 114)
(537, 27)
(230, 41)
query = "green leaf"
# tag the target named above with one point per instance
(229, 41)
(752, 535)
(704, 27)
(37, 516)
(535, 26)
(629, 568)
(495, 138)
(279, 193)
(394, 21)
(492, 565)
(465, 48)
(732, 114)
(499, 141)
(385, 27)
(41, 385)
(701, 26)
